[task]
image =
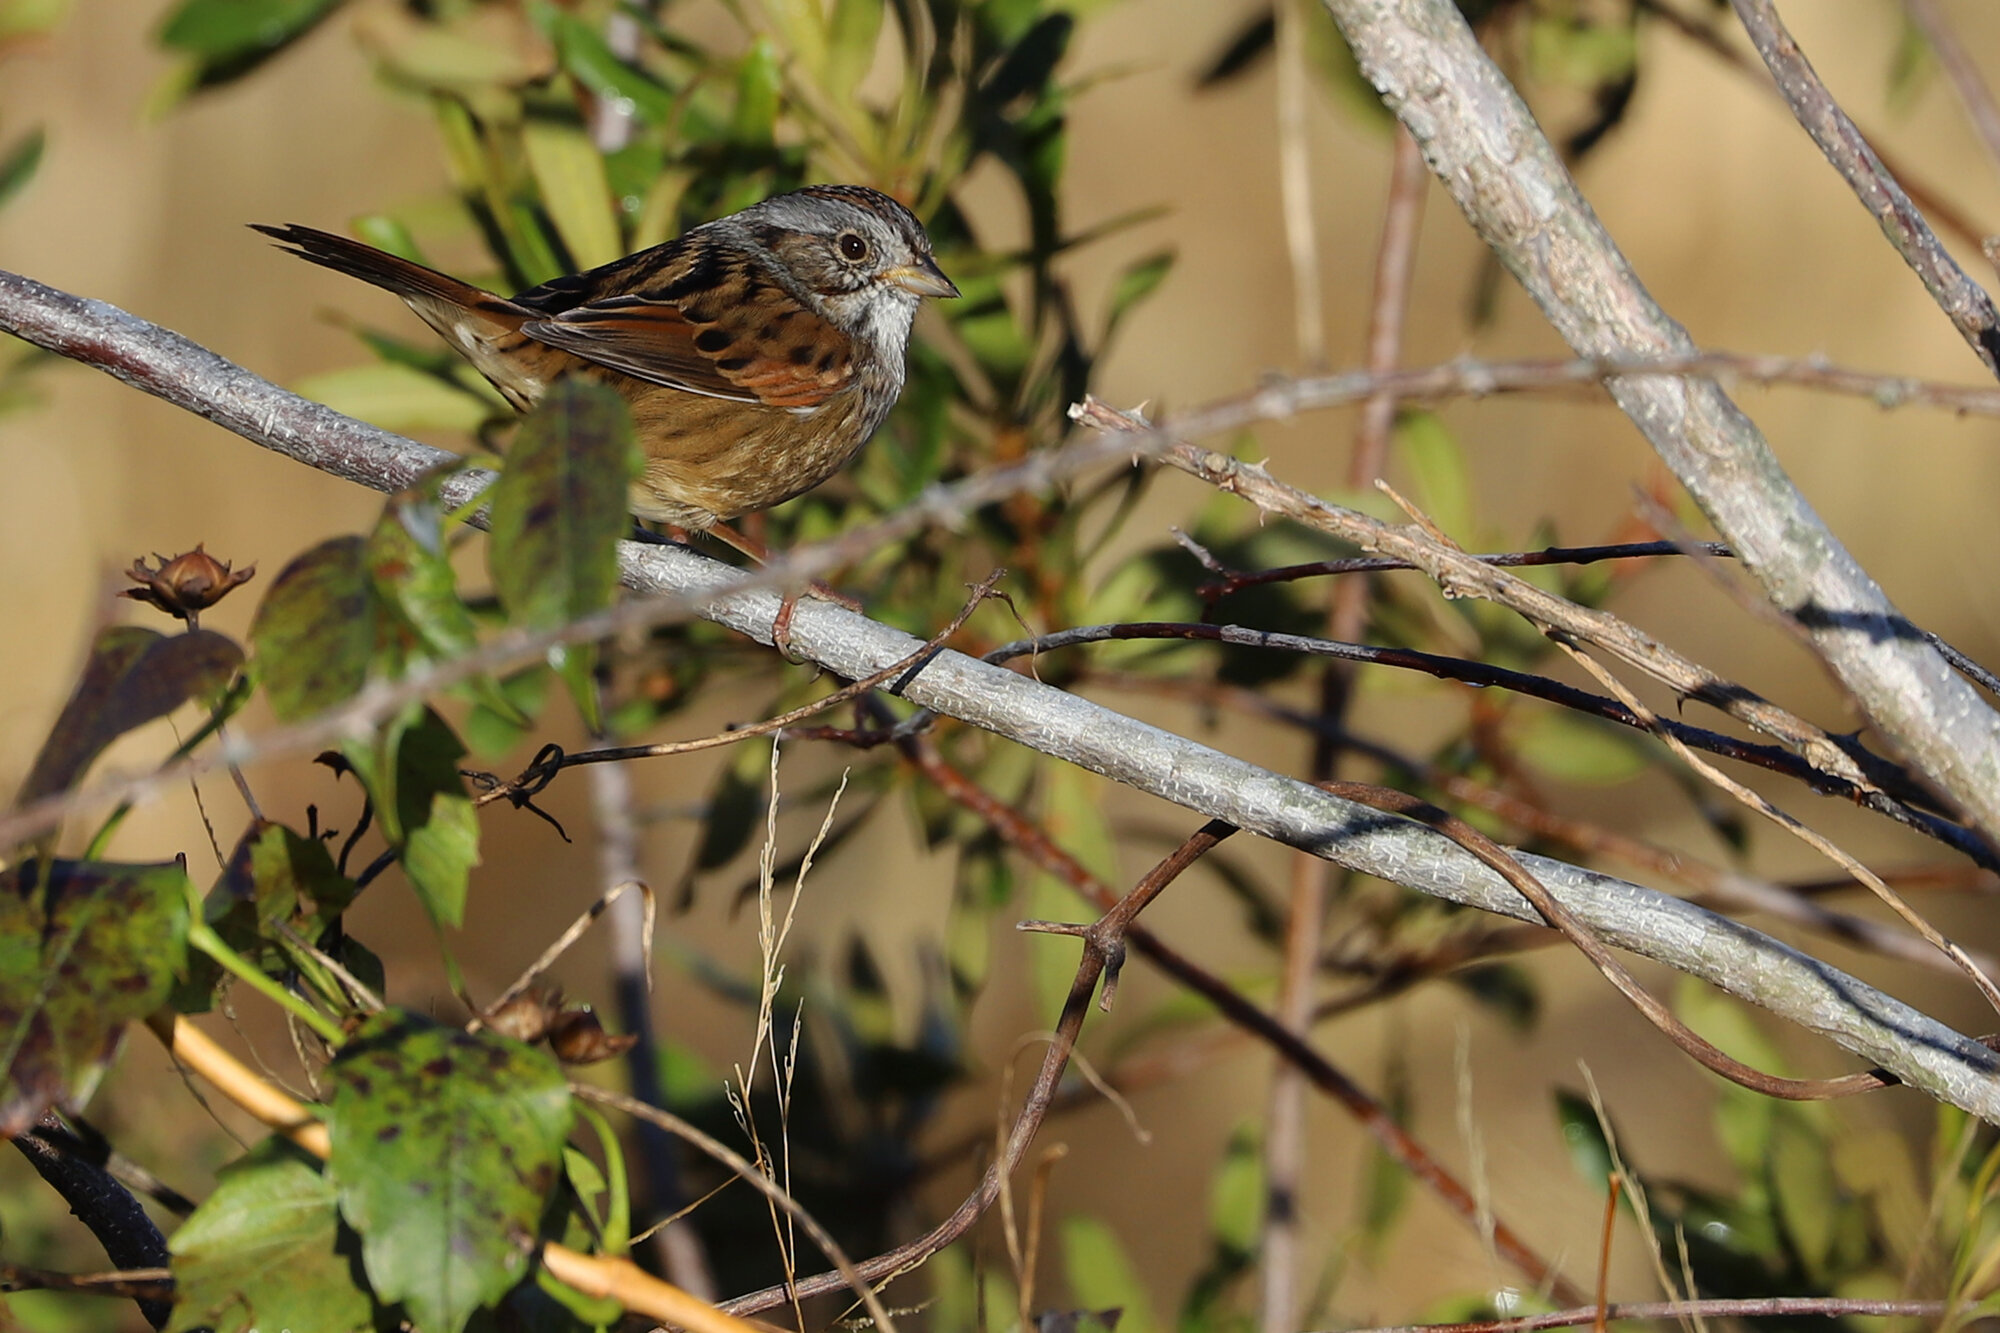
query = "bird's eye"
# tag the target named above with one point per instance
(852, 247)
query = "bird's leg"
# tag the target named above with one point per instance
(781, 625)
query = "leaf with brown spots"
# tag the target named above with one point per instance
(316, 629)
(446, 1147)
(82, 952)
(559, 510)
(134, 675)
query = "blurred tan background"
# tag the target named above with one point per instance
(1723, 205)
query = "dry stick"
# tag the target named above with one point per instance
(845, 1270)
(1963, 300)
(1391, 801)
(1029, 839)
(1235, 580)
(1705, 36)
(1712, 886)
(594, 1275)
(1911, 917)
(1347, 617)
(149, 1286)
(1980, 108)
(1103, 954)
(1771, 1307)
(537, 776)
(1460, 575)
(680, 1256)
(1484, 146)
(1882, 1030)
(1480, 674)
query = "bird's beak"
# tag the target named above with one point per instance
(924, 278)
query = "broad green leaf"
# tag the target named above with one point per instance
(18, 163)
(1028, 66)
(219, 32)
(1503, 989)
(574, 188)
(397, 397)
(1443, 485)
(446, 1147)
(267, 1251)
(1582, 750)
(83, 952)
(1100, 1273)
(1803, 1188)
(134, 676)
(559, 510)
(735, 808)
(585, 56)
(560, 506)
(411, 773)
(411, 572)
(315, 630)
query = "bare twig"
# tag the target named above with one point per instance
(1030, 840)
(1772, 1307)
(1880, 1029)
(1484, 146)
(1963, 300)
(1980, 108)
(1104, 951)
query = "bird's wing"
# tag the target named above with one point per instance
(737, 335)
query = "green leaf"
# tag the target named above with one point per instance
(1585, 751)
(561, 507)
(397, 397)
(759, 78)
(1583, 1136)
(226, 39)
(411, 572)
(17, 164)
(83, 951)
(851, 32)
(1139, 281)
(411, 773)
(585, 56)
(1802, 1186)
(1236, 1192)
(25, 18)
(267, 1250)
(446, 1147)
(575, 190)
(1101, 1277)
(559, 510)
(1443, 485)
(134, 676)
(315, 630)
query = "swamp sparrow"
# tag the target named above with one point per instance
(758, 352)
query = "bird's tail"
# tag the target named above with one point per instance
(425, 289)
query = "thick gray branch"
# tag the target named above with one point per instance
(1880, 1029)
(1485, 147)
